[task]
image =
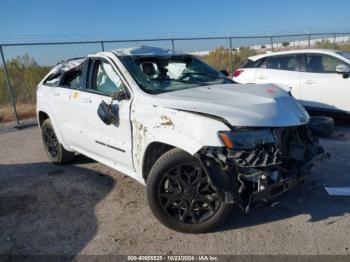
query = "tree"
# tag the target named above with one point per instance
(242, 55)
(324, 43)
(25, 74)
(285, 44)
(220, 57)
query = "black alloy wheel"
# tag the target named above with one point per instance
(54, 150)
(181, 195)
(50, 141)
(186, 194)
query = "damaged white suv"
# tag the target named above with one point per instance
(198, 141)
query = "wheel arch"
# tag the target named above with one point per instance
(152, 153)
(162, 144)
(42, 115)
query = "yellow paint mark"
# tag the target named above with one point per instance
(75, 94)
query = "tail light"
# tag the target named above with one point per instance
(237, 72)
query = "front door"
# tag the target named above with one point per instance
(107, 143)
(321, 86)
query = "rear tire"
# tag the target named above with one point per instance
(54, 150)
(181, 195)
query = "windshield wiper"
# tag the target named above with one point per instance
(205, 74)
(188, 82)
(180, 81)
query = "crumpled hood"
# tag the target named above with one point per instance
(240, 104)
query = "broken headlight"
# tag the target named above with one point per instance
(245, 139)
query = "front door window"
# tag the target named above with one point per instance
(316, 63)
(104, 79)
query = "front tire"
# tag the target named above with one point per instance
(181, 195)
(54, 150)
(321, 126)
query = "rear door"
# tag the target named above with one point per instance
(107, 143)
(59, 102)
(282, 69)
(321, 86)
(75, 81)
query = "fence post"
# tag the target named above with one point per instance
(271, 37)
(231, 55)
(172, 44)
(334, 40)
(102, 46)
(9, 86)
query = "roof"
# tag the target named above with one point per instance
(144, 51)
(69, 64)
(324, 51)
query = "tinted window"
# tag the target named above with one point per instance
(316, 63)
(253, 64)
(73, 79)
(105, 79)
(287, 62)
(53, 80)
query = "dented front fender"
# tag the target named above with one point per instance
(184, 130)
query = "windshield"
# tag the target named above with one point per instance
(160, 74)
(344, 54)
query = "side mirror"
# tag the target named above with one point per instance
(107, 113)
(224, 72)
(343, 70)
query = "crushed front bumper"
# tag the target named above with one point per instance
(276, 189)
(245, 182)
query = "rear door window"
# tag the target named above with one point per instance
(285, 62)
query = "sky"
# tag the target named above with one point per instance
(42, 20)
(159, 18)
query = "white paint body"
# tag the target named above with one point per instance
(188, 119)
(328, 91)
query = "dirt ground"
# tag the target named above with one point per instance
(87, 208)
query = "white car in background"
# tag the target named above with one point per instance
(318, 78)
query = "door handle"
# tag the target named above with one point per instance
(262, 77)
(87, 100)
(310, 82)
(55, 93)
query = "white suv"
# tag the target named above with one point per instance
(318, 78)
(197, 140)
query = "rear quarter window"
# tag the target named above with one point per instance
(53, 79)
(253, 64)
(73, 79)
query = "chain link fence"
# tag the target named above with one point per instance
(23, 65)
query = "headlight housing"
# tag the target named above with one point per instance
(245, 139)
